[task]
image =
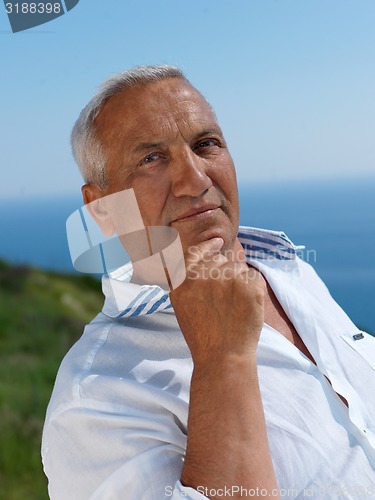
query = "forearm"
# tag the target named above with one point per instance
(227, 438)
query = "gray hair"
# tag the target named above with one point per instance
(87, 148)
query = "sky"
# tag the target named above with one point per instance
(292, 82)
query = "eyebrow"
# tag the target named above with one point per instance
(146, 146)
(208, 131)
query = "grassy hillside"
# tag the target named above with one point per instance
(41, 315)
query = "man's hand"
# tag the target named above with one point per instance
(219, 307)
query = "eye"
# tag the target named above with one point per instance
(150, 159)
(207, 143)
(207, 146)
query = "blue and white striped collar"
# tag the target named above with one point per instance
(125, 299)
(265, 244)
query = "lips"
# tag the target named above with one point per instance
(197, 212)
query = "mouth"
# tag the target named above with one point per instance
(197, 213)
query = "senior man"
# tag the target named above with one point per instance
(246, 381)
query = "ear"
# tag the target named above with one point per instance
(94, 199)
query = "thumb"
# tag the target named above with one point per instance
(205, 249)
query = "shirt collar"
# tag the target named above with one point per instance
(124, 299)
(265, 243)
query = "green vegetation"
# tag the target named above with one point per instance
(41, 315)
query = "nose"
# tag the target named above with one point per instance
(189, 176)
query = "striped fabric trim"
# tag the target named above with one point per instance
(257, 243)
(142, 301)
(263, 244)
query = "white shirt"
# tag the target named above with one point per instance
(116, 424)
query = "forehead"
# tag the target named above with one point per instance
(154, 107)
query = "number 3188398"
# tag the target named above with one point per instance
(33, 8)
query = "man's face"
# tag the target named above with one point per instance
(163, 140)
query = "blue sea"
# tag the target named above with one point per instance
(335, 220)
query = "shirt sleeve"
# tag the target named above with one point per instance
(102, 454)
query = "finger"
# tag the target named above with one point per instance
(204, 250)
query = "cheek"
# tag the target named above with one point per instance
(151, 198)
(224, 176)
